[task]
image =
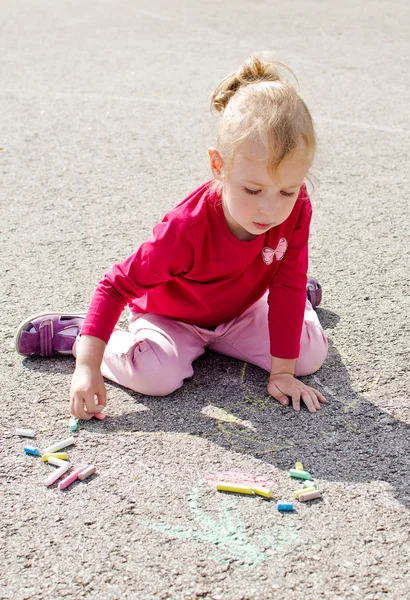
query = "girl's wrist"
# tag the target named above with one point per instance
(282, 366)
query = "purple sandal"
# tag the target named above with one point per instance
(314, 292)
(49, 334)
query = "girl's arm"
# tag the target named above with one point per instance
(282, 384)
(87, 382)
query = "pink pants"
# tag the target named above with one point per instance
(156, 354)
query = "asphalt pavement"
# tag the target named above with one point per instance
(104, 126)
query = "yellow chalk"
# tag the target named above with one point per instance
(60, 455)
(303, 491)
(261, 491)
(224, 486)
(299, 466)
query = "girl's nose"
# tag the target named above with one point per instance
(265, 210)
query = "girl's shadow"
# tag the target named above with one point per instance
(349, 439)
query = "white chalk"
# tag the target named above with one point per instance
(57, 462)
(57, 473)
(59, 445)
(26, 432)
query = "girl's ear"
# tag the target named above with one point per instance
(215, 162)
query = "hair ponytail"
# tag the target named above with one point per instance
(255, 69)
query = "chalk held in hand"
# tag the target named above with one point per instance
(31, 450)
(60, 455)
(26, 433)
(284, 506)
(299, 474)
(87, 472)
(100, 415)
(59, 446)
(70, 478)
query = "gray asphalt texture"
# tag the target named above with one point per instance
(105, 125)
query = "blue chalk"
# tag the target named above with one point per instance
(284, 506)
(31, 450)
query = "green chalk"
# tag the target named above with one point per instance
(299, 474)
(310, 484)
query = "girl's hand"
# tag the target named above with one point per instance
(87, 384)
(282, 385)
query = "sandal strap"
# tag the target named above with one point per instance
(46, 337)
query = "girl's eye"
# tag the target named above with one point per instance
(287, 193)
(251, 192)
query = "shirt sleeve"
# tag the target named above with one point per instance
(166, 254)
(287, 291)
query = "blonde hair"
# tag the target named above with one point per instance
(258, 104)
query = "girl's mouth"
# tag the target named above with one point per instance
(261, 225)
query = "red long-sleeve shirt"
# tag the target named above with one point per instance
(193, 269)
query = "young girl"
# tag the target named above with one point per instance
(226, 269)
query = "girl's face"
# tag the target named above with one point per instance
(253, 201)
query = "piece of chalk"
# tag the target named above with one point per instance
(70, 479)
(224, 486)
(100, 415)
(26, 433)
(261, 491)
(57, 474)
(299, 466)
(73, 424)
(57, 462)
(59, 446)
(300, 474)
(60, 455)
(304, 491)
(310, 484)
(31, 450)
(284, 506)
(87, 472)
(309, 496)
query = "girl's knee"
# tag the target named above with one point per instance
(313, 350)
(156, 370)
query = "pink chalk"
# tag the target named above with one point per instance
(87, 472)
(309, 496)
(100, 416)
(70, 479)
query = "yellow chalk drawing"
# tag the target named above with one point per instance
(215, 412)
(353, 429)
(260, 403)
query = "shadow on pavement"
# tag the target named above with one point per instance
(349, 440)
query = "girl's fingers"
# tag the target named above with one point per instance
(276, 393)
(296, 399)
(80, 403)
(102, 397)
(309, 400)
(320, 397)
